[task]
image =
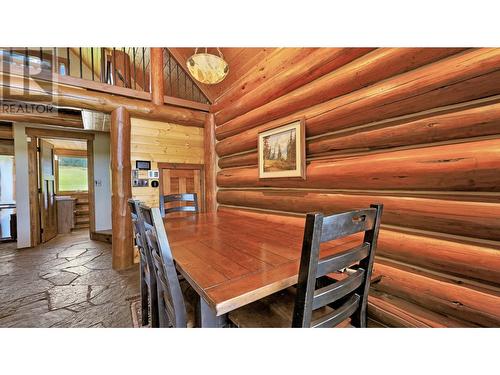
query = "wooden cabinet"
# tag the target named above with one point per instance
(65, 214)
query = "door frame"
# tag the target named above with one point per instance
(35, 134)
(200, 167)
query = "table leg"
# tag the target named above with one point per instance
(207, 317)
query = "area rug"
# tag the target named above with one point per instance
(136, 311)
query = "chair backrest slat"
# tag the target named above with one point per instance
(338, 315)
(345, 224)
(335, 291)
(342, 260)
(186, 197)
(348, 297)
(140, 234)
(171, 300)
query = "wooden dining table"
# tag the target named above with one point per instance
(232, 260)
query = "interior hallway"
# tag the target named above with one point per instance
(66, 282)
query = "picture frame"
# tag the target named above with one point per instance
(281, 151)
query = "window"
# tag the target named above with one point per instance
(72, 173)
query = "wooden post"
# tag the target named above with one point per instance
(210, 164)
(157, 81)
(123, 251)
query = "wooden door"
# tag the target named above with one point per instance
(48, 213)
(182, 178)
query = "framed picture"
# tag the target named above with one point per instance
(282, 151)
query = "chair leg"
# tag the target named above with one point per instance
(153, 293)
(163, 320)
(144, 300)
(358, 319)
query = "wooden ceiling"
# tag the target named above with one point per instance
(240, 61)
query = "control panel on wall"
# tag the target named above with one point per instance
(143, 176)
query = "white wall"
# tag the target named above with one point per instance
(102, 181)
(22, 186)
(101, 173)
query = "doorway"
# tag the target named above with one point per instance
(182, 178)
(61, 183)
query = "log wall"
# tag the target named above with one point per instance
(416, 129)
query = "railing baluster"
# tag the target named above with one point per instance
(135, 71)
(68, 73)
(114, 66)
(124, 68)
(144, 68)
(54, 60)
(185, 86)
(92, 58)
(41, 57)
(177, 78)
(103, 65)
(170, 73)
(81, 63)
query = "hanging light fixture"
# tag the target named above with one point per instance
(208, 68)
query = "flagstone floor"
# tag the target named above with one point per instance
(66, 282)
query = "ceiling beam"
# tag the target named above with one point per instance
(16, 88)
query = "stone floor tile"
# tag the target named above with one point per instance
(51, 286)
(62, 296)
(18, 286)
(62, 278)
(71, 252)
(79, 270)
(10, 307)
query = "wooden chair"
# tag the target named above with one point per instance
(334, 302)
(186, 197)
(174, 311)
(149, 295)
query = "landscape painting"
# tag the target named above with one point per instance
(281, 151)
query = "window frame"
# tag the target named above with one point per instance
(69, 153)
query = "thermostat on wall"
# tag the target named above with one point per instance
(143, 164)
(153, 174)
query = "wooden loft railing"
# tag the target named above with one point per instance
(124, 71)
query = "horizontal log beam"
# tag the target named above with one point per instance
(315, 65)
(469, 166)
(250, 158)
(454, 216)
(110, 89)
(60, 119)
(461, 259)
(277, 61)
(40, 91)
(471, 122)
(257, 107)
(461, 78)
(439, 295)
(395, 312)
